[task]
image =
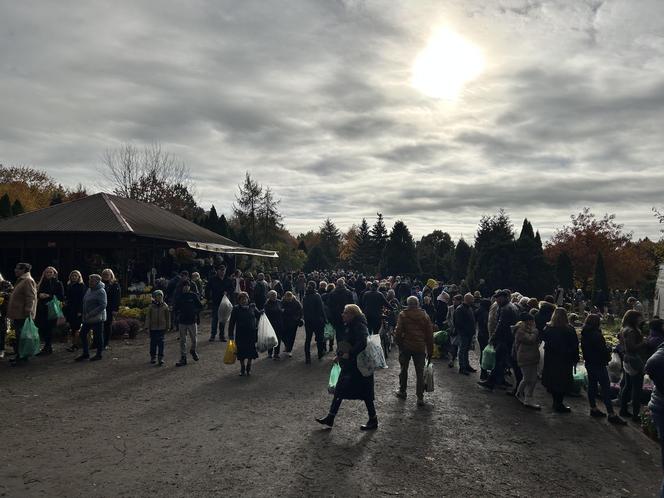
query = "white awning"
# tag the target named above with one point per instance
(220, 248)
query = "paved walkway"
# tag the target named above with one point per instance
(122, 427)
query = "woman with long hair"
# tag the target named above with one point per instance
(112, 301)
(636, 354)
(48, 288)
(352, 384)
(561, 354)
(73, 310)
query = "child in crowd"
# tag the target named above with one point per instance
(157, 322)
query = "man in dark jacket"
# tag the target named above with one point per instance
(314, 321)
(502, 340)
(373, 303)
(336, 302)
(464, 326)
(187, 306)
(217, 286)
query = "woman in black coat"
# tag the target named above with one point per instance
(112, 301)
(243, 326)
(314, 321)
(275, 313)
(49, 287)
(352, 384)
(74, 306)
(292, 318)
(561, 354)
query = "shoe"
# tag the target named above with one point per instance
(371, 425)
(451, 364)
(82, 357)
(463, 372)
(625, 413)
(160, 363)
(562, 409)
(95, 358)
(276, 357)
(153, 360)
(327, 420)
(485, 384)
(194, 355)
(222, 339)
(2, 354)
(530, 405)
(211, 339)
(400, 394)
(471, 370)
(241, 373)
(182, 362)
(420, 402)
(248, 372)
(615, 419)
(595, 413)
(307, 361)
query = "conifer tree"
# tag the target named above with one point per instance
(399, 255)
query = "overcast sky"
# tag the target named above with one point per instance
(315, 98)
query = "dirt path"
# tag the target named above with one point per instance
(122, 427)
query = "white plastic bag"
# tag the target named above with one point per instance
(372, 357)
(540, 366)
(428, 378)
(225, 310)
(615, 367)
(267, 338)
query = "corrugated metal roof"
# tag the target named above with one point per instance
(109, 213)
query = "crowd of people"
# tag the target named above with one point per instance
(529, 339)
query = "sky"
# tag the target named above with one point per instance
(433, 112)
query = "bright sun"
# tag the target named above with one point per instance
(446, 64)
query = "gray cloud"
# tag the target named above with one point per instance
(313, 98)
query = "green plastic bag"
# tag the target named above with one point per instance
(29, 344)
(329, 332)
(54, 309)
(440, 337)
(488, 358)
(334, 378)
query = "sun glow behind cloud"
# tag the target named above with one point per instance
(446, 64)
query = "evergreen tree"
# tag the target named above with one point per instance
(269, 216)
(302, 247)
(399, 256)
(533, 275)
(435, 254)
(330, 238)
(494, 247)
(378, 237)
(5, 206)
(247, 206)
(223, 228)
(316, 260)
(212, 222)
(461, 260)
(17, 208)
(362, 256)
(565, 271)
(600, 283)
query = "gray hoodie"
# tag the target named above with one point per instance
(94, 305)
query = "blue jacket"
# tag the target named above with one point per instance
(94, 305)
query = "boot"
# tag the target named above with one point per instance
(194, 355)
(307, 359)
(371, 425)
(248, 371)
(327, 420)
(529, 403)
(182, 362)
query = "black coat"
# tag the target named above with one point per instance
(275, 313)
(561, 354)
(336, 302)
(112, 298)
(313, 310)
(53, 287)
(593, 345)
(74, 303)
(464, 321)
(506, 318)
(243, 325)
(373, 303)
(352, 384)
(187, 306)
(216, 287)
(292, 313)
